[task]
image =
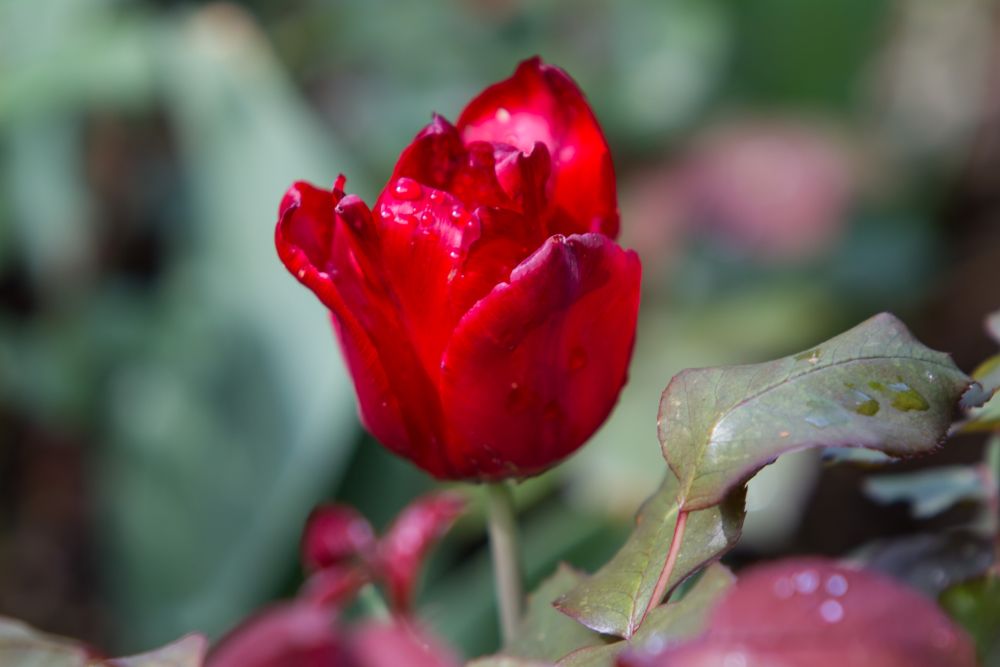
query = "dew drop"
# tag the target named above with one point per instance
(323, 275)
(301, 274)
(503, 115)
(836, 585)
(407, 188)
(734, 660)
(385, 213)
(831, 611)
(456, 213)
(435, 195)
(454, 254)
(806, 582)
(426, 217)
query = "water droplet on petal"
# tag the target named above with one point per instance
(836, 585)
(577, 358)
(734, 660)
(503, 116)
(301, 274)
(407, 188)
(385, 213)
(806, 581)
(435, 195)
(454, 254)
(456, 213)
(566, 153)
(831, 611)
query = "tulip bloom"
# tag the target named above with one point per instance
(485, 312)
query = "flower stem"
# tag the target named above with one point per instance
(506, 557)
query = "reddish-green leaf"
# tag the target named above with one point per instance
(874, 386)
(615, 599)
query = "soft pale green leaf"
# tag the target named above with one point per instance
(976, 606)
(507, 661)
(23, 646)
(874, 386)
(188, 651)
(545, 633)
(614, 600)
(668, 623)
(929, 492)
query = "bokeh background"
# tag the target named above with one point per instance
(172, 403)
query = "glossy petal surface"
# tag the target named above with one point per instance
(535, 367)
(541, 103)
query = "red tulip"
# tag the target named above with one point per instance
(486, 314)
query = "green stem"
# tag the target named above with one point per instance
(373, 603)
(506, 557)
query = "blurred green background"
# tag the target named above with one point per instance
(172, 403)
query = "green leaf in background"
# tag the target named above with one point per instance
(672, 622)
(929, 492)
(614, 600)
(545, 633)
(976, 606)
(23, 646)
(928, 562)
(874, 386)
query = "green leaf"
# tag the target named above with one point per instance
(986, 417)
(614, 600)
(874, 386)
(929, 492)
(666, 624)
(188, 651)
(976, 606)
(23, 646)
(928, 562)
(507, 661)
(545, 633)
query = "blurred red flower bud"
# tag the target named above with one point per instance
(485, 312)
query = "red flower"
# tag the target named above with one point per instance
(485, 312)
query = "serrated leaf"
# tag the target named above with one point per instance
(929, 492)
(874, 386)
(666, 624)
(615, 599)
(546, 634)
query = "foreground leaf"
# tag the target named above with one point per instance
(986, 417)
(615, 599)
(874, 386)
(814, 612)
(187, 651)
(929, 492)
(976, 606)
(665, 625)
(546, 634)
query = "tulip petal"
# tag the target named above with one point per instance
(285, 634)
(536, 366)
(404, 547)
(541, 103)
(335, 534)
(315, 242)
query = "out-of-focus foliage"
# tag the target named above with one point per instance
(172, 404)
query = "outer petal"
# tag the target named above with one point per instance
(335, 534)
(328, 242)
(403, 549)
(284, 635)
(536, 366)
(541, 103)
